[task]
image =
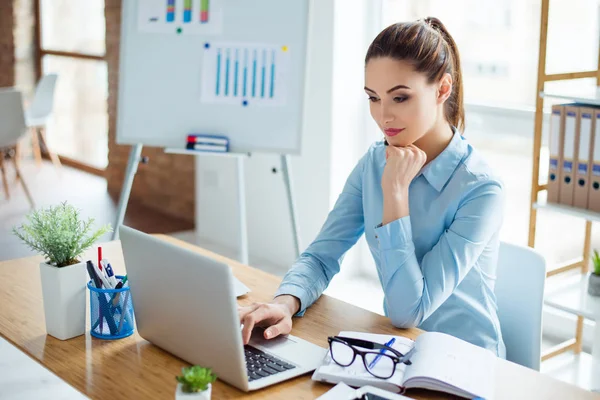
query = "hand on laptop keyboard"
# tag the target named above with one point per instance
(276, 317)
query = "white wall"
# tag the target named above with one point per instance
(269, 228)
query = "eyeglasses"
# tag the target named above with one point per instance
(380, 364)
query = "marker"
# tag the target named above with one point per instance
(93, 275)
(98, 283)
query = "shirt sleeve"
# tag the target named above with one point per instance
(414, 291)
(317, 265)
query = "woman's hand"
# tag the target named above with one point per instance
(403, 164)
(276, 317)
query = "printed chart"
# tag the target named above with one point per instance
(185, 17)
(242, 74)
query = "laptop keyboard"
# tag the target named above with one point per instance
(260, 364)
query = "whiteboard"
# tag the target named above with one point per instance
(220, 67)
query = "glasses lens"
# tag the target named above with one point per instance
(382, 368)
(341, 353)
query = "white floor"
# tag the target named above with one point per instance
(22, 378)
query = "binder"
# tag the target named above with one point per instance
(557, 121)
(569, 156)
(594, 192)
(582, 170)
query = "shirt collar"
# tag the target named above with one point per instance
(441, 168)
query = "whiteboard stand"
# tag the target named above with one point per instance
(135, 158)
(242, 223)
(285, 167)
(241, 180)
(132, 166)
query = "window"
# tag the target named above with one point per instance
(499, 40)
(72, 37)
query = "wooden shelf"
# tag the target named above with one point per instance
(588, 96)
(569, 294)
(576, 212)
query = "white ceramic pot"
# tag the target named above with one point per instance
(181, 395)
(63, 291)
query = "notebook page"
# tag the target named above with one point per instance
(357, 368)
(444, 358)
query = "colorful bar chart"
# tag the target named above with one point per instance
(187, 11)
(170, 10)
(244, 75)
(204, 8)
(181, 17)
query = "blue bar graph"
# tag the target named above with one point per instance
(245, 70)
(218, 70)
(235, 74)
(254, 75)
(264, 70)
(227, 74)
(246, 74)
(272, 74)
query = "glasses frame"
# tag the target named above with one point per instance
(396, 356)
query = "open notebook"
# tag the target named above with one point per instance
(440, 362)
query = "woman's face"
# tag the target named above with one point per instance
(402, 103)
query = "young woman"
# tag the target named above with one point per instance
(429, 205)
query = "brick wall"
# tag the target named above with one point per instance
(24, 39)
(167, 182)
(7, 46)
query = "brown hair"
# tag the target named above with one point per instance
(428, 46)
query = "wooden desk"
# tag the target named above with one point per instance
(132, 368)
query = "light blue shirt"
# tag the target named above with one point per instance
(437, 266)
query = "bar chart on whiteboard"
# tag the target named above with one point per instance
(245, 75)
(181, 17)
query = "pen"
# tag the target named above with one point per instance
(123, 313)
(388, 344)
(119, 286)
(109, 273)
(102, 277)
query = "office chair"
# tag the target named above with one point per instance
(521, 276)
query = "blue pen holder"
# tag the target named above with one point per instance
(111, 312)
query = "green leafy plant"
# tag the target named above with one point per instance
(596, 260)
(195, 378)
(59, 234)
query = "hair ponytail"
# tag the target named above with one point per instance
(430, 48)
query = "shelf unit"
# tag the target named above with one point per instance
(592, 96)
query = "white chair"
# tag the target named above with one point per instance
(12, 129)
(521, 276)
(36, 116)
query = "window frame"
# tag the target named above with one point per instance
(39, 54)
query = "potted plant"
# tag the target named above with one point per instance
(61, 236)
(594, 279)
(195, 383)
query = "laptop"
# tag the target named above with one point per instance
(185, 303)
